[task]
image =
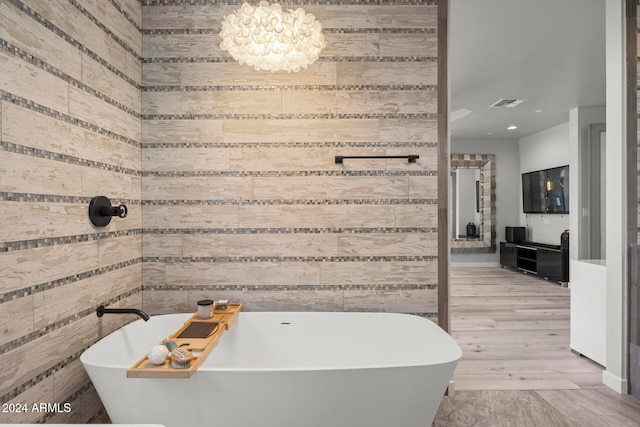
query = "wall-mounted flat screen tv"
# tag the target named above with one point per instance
(546, 191)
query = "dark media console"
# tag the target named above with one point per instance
(550, 262)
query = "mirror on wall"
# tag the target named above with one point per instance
(472, 203)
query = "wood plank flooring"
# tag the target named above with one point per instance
(517, 368)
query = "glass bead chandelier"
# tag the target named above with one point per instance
(267, 38)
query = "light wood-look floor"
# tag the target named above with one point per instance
(517, 368)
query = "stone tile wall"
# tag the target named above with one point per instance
(228, 174)
(241, 196)
(70, 130)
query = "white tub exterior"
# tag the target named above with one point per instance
(285, 369)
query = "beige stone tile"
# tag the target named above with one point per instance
(113, 19)
(260, 245)
(212, 102)
(428, 159)
(68, 379)
(133, 9)
(26, 127)
(55, 304)
(295, 130)
(85, 409)
(301, 158)
(190, 216)
(397, 301)
(378, 272)
(351, 44)
(18, 29)
(133, 220)
(160, 74)
(167, 131)
(50, 348)
(161, 245)
(419, 130)
(331, 187)
(320, 216)
(181, 45)
(114, 250)
(387, 73)
(190, 16)
(30, 82)
(102, 114)
(153, 273)
(115, 87)
(235, 74)
(166, 302)
(110, 184)
(299, 300)
(375, 16)
(197, 188)
(409, 45)
(423, 187)
(25, 268)
(423, 215)
(27, 174)
(42, 391)
(133, 68)
(359, 102)
(16, 318)
(243, 273)
(388, 244)
(72, 21)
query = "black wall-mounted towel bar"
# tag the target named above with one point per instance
(411, 157)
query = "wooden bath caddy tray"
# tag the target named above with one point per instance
(195, 326)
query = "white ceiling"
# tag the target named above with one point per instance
(549, 52)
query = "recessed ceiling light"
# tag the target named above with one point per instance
(512, 127)
(538, 111)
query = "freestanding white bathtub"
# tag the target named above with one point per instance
(286, 370)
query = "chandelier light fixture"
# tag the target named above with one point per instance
(267, 38)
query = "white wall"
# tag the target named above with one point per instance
(546, 149)
(508, 203)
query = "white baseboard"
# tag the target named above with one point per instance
(619, 385)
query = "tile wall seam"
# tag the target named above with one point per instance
(286, 116)
(67, 118)
(300, 145)
(342, 30)
(147, 3)
(58, 31)
(63, 281)
(122, 10)
(106, 30)
(292, 230)
(289, 288)
(43, 331)
(64, 158)
(337, 59)
(288, 202)
(18, 53)
(289, 88)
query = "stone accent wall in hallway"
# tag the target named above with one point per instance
(241, 197)
(70, 130)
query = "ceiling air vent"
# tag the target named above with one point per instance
(509, 103)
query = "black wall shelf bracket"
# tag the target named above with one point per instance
(411, 158)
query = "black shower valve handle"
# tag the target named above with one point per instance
(119, 211)
(123, 211)
(101, 211)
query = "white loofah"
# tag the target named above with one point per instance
(158, 354)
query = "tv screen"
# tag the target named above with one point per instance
(546, 191)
